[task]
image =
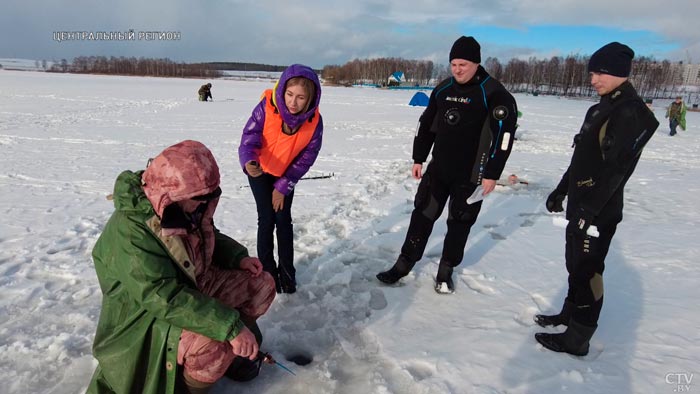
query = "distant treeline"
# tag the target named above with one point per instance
(135, 66)
(563, 76)
(377, 71)
(235, 66)
(569, 76)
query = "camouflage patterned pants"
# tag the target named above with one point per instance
(206, 359)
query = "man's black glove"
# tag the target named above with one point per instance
(581, 220)
(554, 201)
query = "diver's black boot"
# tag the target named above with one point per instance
(575, 340)
(400, 269)
(443, 279)
(558, 319)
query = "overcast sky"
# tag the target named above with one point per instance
(322, 32)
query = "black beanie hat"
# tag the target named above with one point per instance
(466, 48)
(614, 59)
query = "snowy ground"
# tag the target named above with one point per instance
(64, 138)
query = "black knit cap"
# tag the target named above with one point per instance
(466, 48)
(614, 59)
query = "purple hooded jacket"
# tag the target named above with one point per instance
(251, 140)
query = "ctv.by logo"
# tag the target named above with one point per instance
(681, 381)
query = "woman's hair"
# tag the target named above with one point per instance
(309, 89)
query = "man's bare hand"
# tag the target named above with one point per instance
(252, 265)
(245, 345)
(488, 185)
(417, 171)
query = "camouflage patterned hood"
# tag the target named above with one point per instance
(182, 171)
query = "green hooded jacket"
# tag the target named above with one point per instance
(678, 112)
(149, 296)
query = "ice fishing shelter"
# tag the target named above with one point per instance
(419, 99)
(396, 78)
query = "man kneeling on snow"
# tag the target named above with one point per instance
(180, 299)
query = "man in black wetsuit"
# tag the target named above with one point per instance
(470, 125)
(606, 152)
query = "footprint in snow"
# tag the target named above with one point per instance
(420, 370)
(377, 300)
(496, 236)
(477, 286)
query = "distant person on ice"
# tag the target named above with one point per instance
(470, 124)
(676, 115)
(205, 92)
(279, 144)
(606, 152)
(180, 299)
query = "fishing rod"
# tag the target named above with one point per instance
(325, 176)
(268, 359)
(308, 178)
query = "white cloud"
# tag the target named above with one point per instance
(325, 32)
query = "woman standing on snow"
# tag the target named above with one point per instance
(279, 144)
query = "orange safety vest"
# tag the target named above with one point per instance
(279, 149)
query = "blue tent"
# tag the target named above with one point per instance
(419, 99)
(397, 77)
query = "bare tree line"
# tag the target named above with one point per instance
(239, 66)
(563, 76)
(134, 66)
(568, 76)
(376, 71)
